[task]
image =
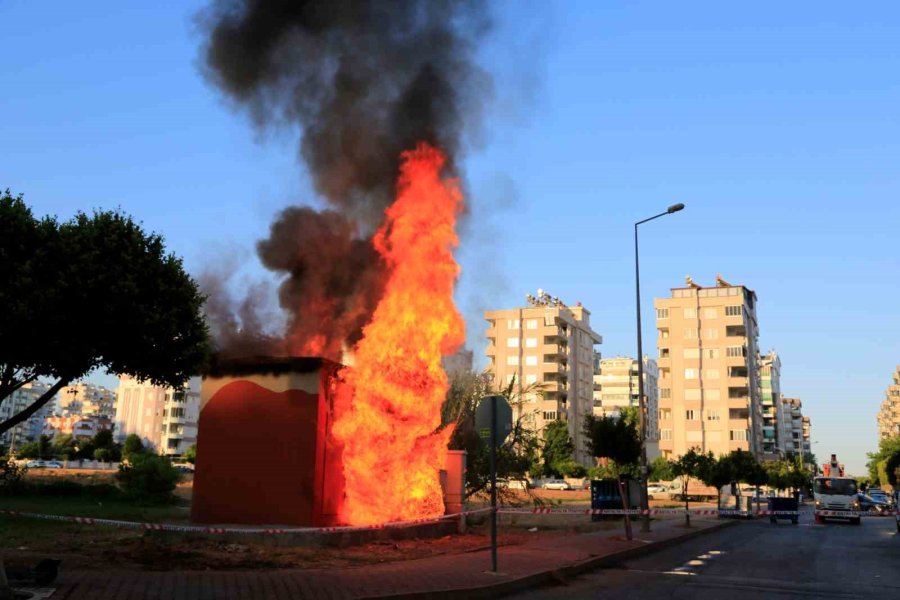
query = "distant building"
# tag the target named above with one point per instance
(889, 414)
(616, 387)
(708, 379)
(770, 397)
(164, 418)
(549, 345)
(78, 426)
(796, 427)
(30, 429)
(85, 399)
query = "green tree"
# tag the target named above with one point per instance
(517, 455)
(132, 447)
(68, 290)
(892, 469)
(690, 465)
(717, 473)
(886, 447)
(148, 478)
(616, 439)
(661, 469)
(63, 447)
(190, 454)
(557, 449)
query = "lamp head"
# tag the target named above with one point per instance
(675, 208)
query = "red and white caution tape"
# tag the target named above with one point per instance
(220, 530)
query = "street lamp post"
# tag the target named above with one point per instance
(645, 506)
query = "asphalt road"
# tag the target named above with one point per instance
(754, 561)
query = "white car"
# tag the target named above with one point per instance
(556, 484)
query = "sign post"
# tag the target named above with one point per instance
(493, 420)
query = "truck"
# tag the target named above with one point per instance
(835, 494)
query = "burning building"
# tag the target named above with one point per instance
(382, 93)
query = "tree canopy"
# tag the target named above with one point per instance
(95, 291)
(615, 438)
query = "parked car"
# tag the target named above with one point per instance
(35, 464)
(556, 484)
(868, 503)
(882, 496)
(512, 484)
(53, 464)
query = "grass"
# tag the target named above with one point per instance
(86, 506)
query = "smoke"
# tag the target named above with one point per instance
(364, 80)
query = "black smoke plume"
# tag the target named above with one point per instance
(364, 80)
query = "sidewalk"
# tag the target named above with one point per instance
(449, 576)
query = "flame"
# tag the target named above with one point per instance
(392, 449)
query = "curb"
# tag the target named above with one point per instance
(540, 578)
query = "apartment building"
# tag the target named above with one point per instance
(164, 418)
(19, 400)
(709, 393)
(889, 415)
(547, 350)
(616, 387)
(770, 396)
(796, 427)
(85, 399)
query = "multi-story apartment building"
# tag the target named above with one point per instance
(31, 428)
(889, 415)
(770, 395)
(616, 387)
(164, 418)
(547, 350)
(708, 379)
(796, 427)
(83, 399)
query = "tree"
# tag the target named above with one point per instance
(892, 469)
(132, 446)
(148, 477)
(190, 454)
(661, 470)
(95, 291)
(63, 446)
(717, 473)
(690, 464)
(557, 449)
(515, 457)
(617, 439)
(886, 447)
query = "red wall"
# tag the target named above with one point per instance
(263, 458)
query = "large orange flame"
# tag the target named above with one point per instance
(392, 449)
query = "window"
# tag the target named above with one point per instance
(512, 361)
(710, 313)
(665, 413)
(665, 392)
(690, 373)
(692, 394)
(691, 415)
(738, 413)
(711, 334)
(531, 342)
(531, 324)
(692, 352)
(712, 353)
(690, 333)
(512, 324)
(712, 414)
(664, 353)
(665, 434)
(664, 373)
(664, 334)
(693, 436)
(690, 313)
(512, 342)
(710, 373)
(529, 379)
(531, 361)
(733, 351)
(739, 435)
(549, 415)
(662, 313)
(734, 311)
(712, 394)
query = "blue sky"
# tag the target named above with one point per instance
(776, 124)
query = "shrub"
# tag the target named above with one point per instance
(148, 477)
(12, 477)
(102, 454)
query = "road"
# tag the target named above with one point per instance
(755, 561)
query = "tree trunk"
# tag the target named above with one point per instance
(5, 590)
(625, 508)
(687, 510)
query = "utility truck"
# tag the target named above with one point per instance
(835, 494)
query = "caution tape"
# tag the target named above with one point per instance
(221, 530)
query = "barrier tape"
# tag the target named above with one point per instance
(220, 530)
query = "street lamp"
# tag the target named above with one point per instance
(645, 506)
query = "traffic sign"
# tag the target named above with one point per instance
(483, 418)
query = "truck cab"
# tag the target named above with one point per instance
(836, 498)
